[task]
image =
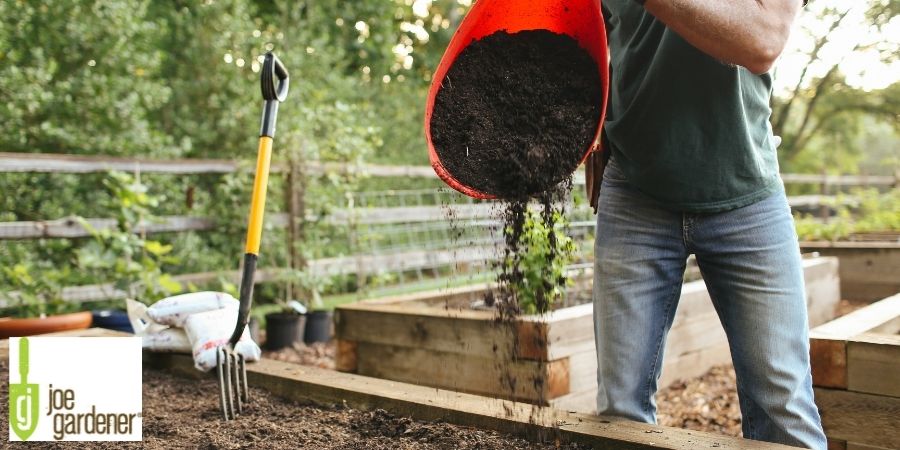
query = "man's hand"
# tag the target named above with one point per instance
(749, 33)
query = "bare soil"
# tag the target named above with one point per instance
(181, 413)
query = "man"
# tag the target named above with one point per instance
(693, 170)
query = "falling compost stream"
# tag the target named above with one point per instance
(513, 118)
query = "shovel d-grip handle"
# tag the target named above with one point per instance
(273, 95)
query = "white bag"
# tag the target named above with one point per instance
(172, 340)
(173, 311)
(211, 329)
(141, 322)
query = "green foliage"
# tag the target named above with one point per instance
(122, 254)
(33, 294)
(539, 266)
(826, 121)
(79, 77)
(874, 212)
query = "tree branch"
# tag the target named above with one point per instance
(783, 113)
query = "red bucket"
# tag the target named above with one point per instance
(580, 19)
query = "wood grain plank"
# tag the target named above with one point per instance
(89, 332)
(584, 402)
(869, 271)
(583, 371)
(828, 342)
(828, 358)
(857, 446)
(694, 334)
(862, 418)
(531, 381)
(345, 355)
(873, 364)
(693, 364)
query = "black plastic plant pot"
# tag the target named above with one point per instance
(283, 330)
(111, 319)
(318, 327)
(254, 329)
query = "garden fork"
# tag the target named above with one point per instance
(230, 365)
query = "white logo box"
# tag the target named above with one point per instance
(92, 375)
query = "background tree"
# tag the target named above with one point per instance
(822, 117)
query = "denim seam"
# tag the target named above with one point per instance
(652, 374)
(746, 416)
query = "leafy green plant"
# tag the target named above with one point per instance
(537, 270)
(123, 253)
(310, 286)
(864, 211)
(34, 294)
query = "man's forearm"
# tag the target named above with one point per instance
(749, 33)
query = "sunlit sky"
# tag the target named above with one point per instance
(863, 68)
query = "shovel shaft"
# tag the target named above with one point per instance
(274, 83)
(258, 202)
(23, 360)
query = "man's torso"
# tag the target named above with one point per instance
(689, 131)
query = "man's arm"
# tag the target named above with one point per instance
(749, 33)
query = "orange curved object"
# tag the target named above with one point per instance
(580, 19)
(30, 327)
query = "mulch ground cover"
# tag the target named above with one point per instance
(706, 403)
(319, 354)
(180, 413)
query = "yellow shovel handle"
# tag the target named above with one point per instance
(258, 202)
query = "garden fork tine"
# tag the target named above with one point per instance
(231, 367)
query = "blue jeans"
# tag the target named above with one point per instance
(751, 262)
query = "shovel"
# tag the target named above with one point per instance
(580, 19)
(23, 398)
(230, 365)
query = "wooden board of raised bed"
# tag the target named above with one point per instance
(856, 371)
(437, 339)
(869, 270)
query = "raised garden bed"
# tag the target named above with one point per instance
(436, 339)
(869, 270)
(426, 408)
(856, 373)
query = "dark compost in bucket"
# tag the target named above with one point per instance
(516, 112)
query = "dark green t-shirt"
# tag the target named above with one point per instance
(689, 131)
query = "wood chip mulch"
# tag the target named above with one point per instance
(318, 354)
(706, 403)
